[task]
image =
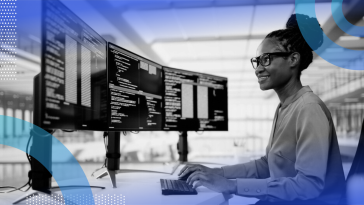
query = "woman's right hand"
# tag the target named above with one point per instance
(197, 167)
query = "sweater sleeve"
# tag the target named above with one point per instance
(254, 169)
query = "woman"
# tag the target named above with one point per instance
(302, 164)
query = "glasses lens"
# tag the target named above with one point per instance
(254, 62)
(265, 60)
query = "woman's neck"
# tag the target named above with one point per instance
(292, 87)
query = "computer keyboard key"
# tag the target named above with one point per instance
(185, 186)
(169, 185)
(173, 186)
(190, 187)
(162, 184)
(180, 187)
(176, 187)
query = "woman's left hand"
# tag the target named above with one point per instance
(212, 181)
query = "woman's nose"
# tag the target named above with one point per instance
(259, 69)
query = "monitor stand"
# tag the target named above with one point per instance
(182, 147)
(40, 176)
(113, 159)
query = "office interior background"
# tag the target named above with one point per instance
(213, 36)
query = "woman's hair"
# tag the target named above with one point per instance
(292, 40)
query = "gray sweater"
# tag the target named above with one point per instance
(302, 158)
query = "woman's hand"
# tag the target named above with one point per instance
(197, 167)
(212, 181)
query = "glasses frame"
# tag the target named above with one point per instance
(259, 58)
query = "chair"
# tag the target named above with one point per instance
(357, 168)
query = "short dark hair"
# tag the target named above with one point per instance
(292, 40)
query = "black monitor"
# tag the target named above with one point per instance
(73, 87)
(135, 91)
(87, 84)
(194, 101)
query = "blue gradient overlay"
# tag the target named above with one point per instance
(60, 155)
(355, 189)
(345, 53)
(169, 20)
(29, 20)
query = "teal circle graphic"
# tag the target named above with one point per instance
(329, 50)
(342, 22)
(60, 154)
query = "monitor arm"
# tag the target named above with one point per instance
(182, 146)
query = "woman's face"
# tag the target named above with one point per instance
(279, 72)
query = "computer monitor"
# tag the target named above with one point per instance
(73, 72)
(135, 91)
(194, 101)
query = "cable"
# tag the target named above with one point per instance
(69, 130)
(29, 183)
(15, 188)
(106, 142)
(29, 159)
(28, 156)
(30, 137)
(135, 132)
(77, 186)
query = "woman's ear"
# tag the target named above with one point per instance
(295, 59)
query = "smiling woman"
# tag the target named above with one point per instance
(302, 164)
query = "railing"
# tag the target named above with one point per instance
(14, 173)
(342, 81)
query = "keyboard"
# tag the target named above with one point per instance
(176, 187)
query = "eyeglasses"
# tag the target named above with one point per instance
(265, 59)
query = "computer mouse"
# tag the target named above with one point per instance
(185, 177)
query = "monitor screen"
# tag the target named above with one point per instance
(135, 91)
(73, 72)
(194, 101)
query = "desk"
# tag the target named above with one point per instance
(144, 188)
(141, 188)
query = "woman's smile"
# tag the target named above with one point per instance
(262, 78)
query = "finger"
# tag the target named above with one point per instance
(195, 177)
(202, 177)
(192, 178)
(183, 169)
(197, 184)
(190, 169)
(192, 175)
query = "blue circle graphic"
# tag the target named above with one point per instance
(61, 155)
(329, 50)
(342, 22)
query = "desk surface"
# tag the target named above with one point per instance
(143, 188)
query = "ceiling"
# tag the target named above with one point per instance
(217, 37)
(210, 36)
